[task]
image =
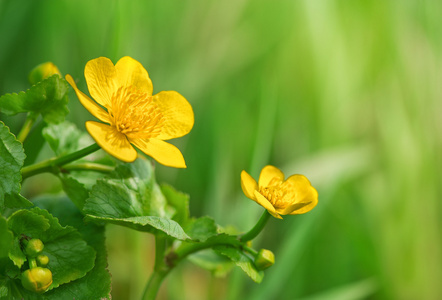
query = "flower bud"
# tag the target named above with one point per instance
(42, 71)
(34, 247)
(264, 259)
(42, 260)
(37, 279)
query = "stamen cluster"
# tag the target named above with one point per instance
(134, 114)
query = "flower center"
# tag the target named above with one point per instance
(134, 114)
(279, 193)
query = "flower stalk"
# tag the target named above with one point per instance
(160, 270)
(30, 120)
(88, 167)
(257, 228)
(165, 263)
(52, 165)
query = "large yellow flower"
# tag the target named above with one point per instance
(133, 115)
(280, 197)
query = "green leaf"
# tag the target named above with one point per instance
(11, 288)
(28, 223)
(65, 138)
(179, 201)
(48, 98)
(69, 255)
(34, 143)
(133, 199)
(96, 284)
(152, 224)
(16, 255)
(75, 190)
(241, 260)
(12, 157)
(202, 228)
(6, 238)
(3, 289)
(16, 201)
(218, 265)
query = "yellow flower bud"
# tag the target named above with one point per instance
(42, 260)
(37, 279)
(42, 71)
(264, 259)
(34, 247)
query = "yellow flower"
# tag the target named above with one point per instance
(280, 197)
(132, 114)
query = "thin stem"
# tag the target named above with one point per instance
(30, 120)
(163, 265)
(160, 270)
(153, 285)
(257, 228)
(160, 249)
(53, 164)
(32, 263)
(187, 249)
(250, 250)
(88, 167)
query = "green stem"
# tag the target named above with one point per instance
(163, 265)
(89, 167)
(250, 250)
(32, 263)
(53, 164)
(160, 270)
(153, 285)
(30, 120)
(257, 228)
(188, 249)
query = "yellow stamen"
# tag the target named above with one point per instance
(279, 193)
(134, 114)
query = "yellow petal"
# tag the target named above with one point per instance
(304, 193)
(112, 141)
(131, 72)
(301, 186)
(248, 185)
(88, 103)
(261, 200)
(291, 208)
(177, 114)
(313, 195)
(268, 173)
(101, 78)
(164, 153)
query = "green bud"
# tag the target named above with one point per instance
(42, 260)
(42, 71)
(37, 279)
(264, 259)
(34, 247)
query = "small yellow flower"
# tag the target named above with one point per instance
(133, 115)
(280, 197)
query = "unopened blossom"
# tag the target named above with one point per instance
(131, 115)
(292, 196)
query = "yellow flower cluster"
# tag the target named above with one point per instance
(131, 115)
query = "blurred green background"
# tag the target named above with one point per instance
(346, 92)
